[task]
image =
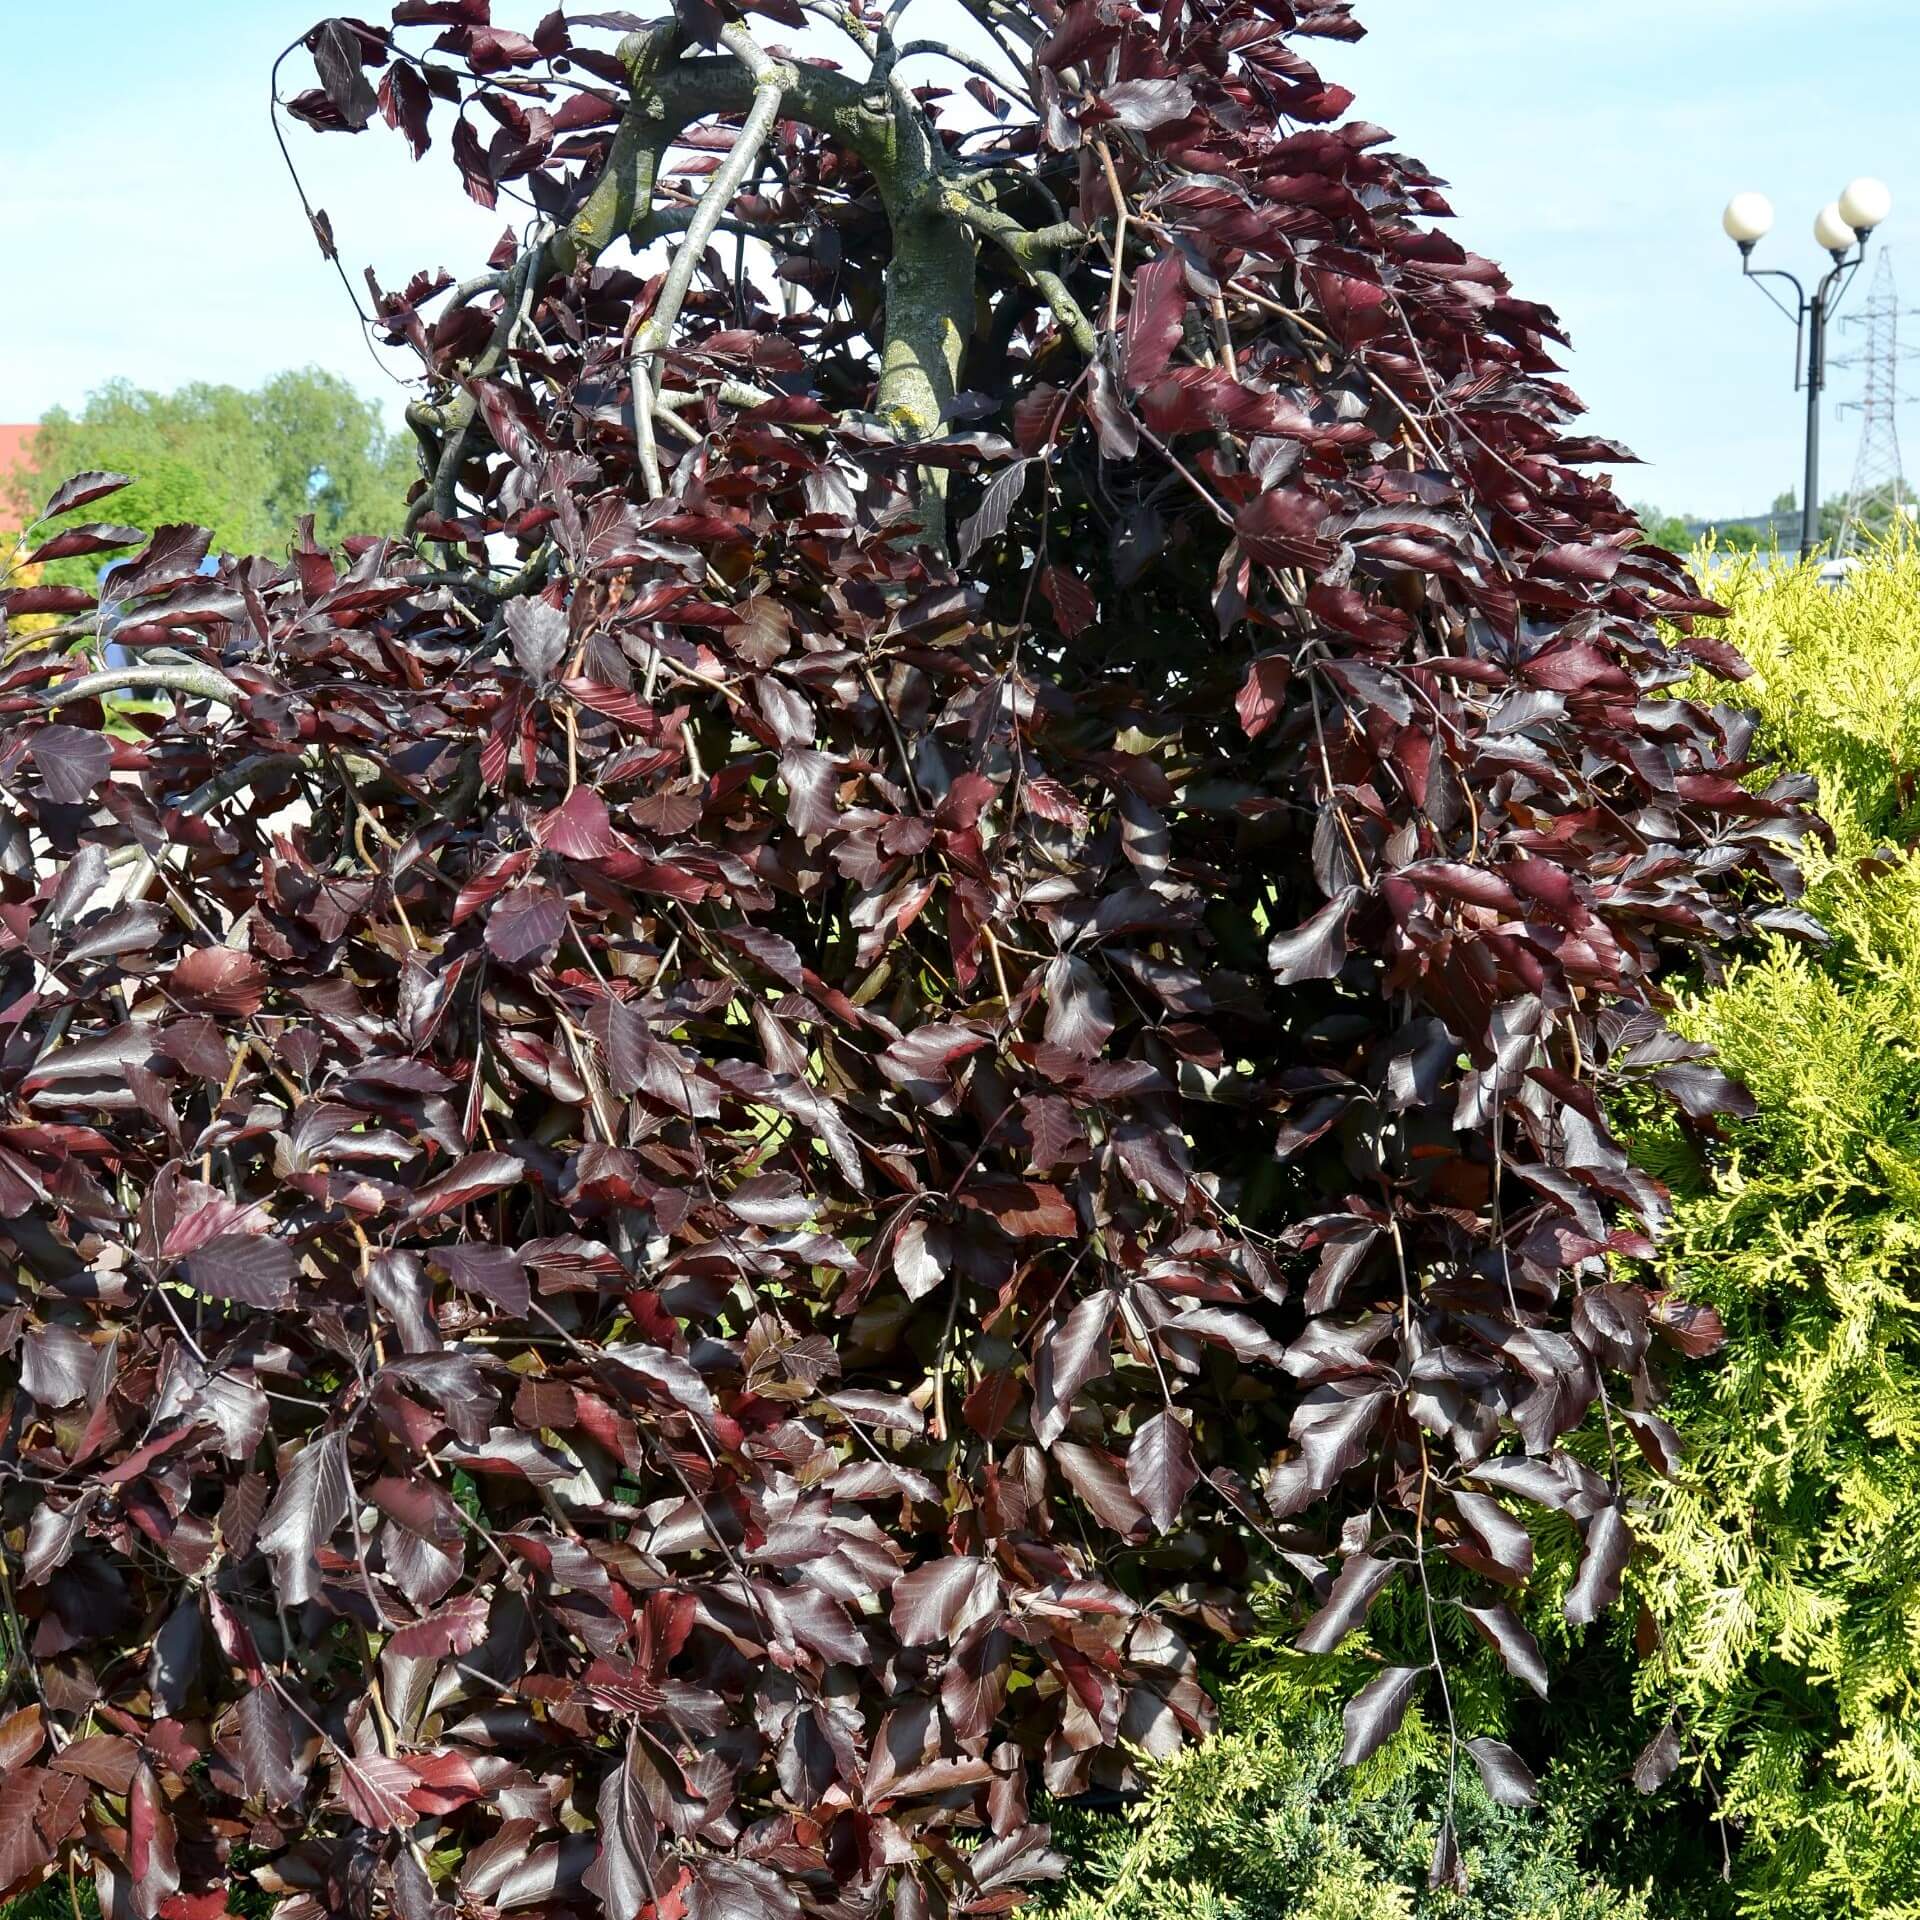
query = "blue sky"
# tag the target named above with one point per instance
(151, 233)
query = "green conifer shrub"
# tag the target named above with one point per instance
(1264, 1823)
(1784, 1569)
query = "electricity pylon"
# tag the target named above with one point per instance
(1879, 494)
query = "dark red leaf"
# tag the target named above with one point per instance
(218, 980)
(473, 1178)
(1154, 319)
(1355, 1588)
(77, 540)
(497, 1274)
(1142, 105)
(311, 1503)
(1657, 1760)
(1262, 696)
(1160, 1468)
(1509, 1636)
(540, 635)
(405, 104)
(1697, 1331)
(1603, 1562)
(1079, 1009)
(1317, 948)
(1075, 1351)
(525, 927)
(1506, 1777)
(989, 519)
(265, 1743)
(941, 1600)
(579, 827)
(254, 1269)
(71, 761)
(82, 490)
(1374, 1714)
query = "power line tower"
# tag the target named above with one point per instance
(1879, 496)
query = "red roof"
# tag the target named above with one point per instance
(13, 445)
(13, 454)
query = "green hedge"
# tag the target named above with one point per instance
(1787, 1570)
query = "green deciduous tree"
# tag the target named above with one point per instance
(1664, 529)
(247, 465)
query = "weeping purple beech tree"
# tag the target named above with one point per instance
(703, 1159)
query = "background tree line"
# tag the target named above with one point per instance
(249, 465)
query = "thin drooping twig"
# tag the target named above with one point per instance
(654, 336)
(1120, 214)
(939, 50)
(516, 300)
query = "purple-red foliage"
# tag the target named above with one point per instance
(679, 1221)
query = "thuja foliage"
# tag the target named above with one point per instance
(1264, 1819)
(1263, 1822)
(704, 1155)
(1787, 1573)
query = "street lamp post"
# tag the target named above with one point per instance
(1842, 229)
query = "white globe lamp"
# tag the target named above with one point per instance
(1749, 217)
(1865, 204)
(1830, 228)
